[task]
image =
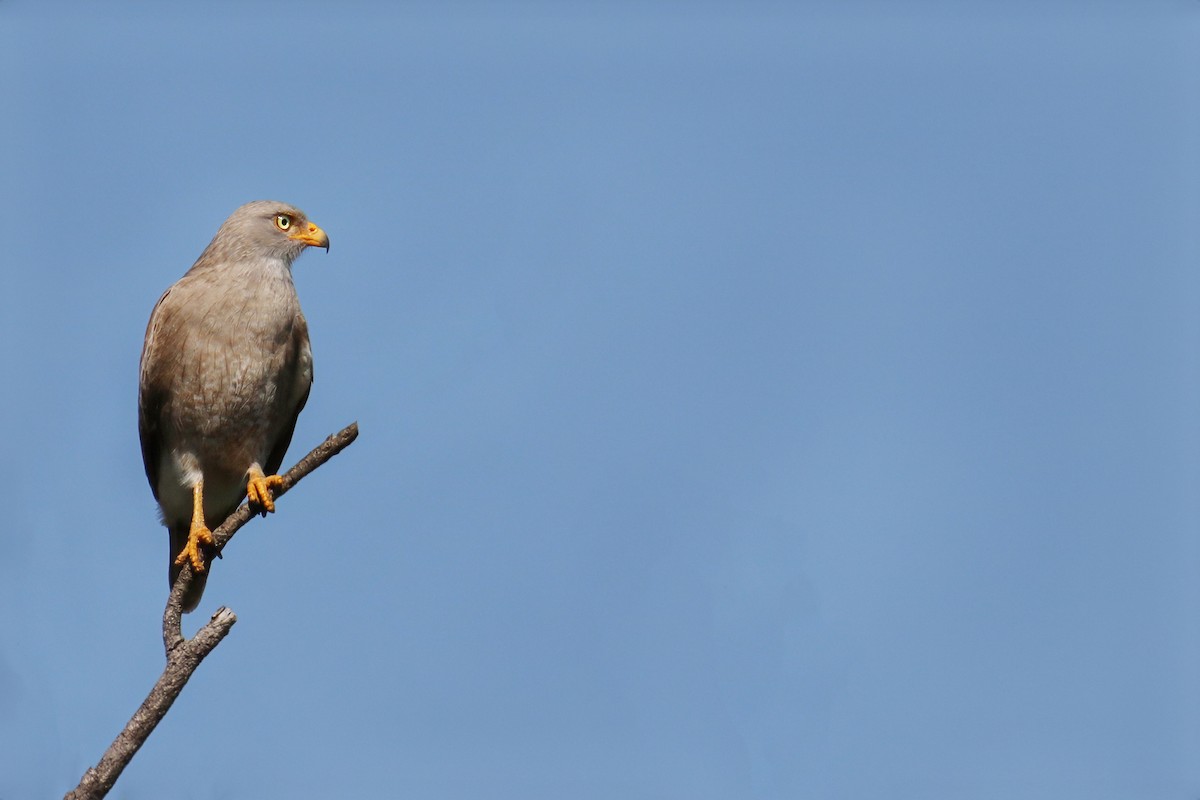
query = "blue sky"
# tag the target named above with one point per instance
(757, 400)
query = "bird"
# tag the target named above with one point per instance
(226, 368)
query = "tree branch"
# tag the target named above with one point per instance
(173, 614)
(185, 655)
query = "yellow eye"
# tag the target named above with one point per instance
(283, 222)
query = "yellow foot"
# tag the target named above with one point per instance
(259, 491)
(197, 536)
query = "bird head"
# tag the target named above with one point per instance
(266, 228)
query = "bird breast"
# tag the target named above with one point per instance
(241, 369)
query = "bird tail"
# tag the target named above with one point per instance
(191, 598)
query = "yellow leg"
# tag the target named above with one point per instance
(259, 489)
(198, 534)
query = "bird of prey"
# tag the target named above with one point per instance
(226, 369)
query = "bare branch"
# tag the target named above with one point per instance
(173, 614)
(185, 655)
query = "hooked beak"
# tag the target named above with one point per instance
(312, 237)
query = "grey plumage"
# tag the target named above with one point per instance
(226, 368)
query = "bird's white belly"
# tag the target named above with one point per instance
(222, 491)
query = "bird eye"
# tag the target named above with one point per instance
(283, 222)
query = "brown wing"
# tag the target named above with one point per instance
(153, 390)
(299, 349)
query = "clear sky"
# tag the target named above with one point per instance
(789, 400)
